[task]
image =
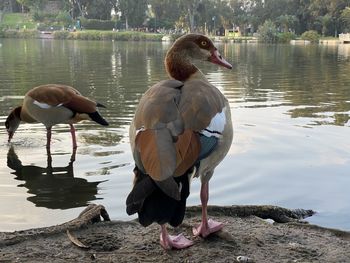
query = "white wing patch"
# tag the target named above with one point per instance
(216, 126)
(44, 105)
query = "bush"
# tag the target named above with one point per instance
(49, 27)
(21, 34)
(61, 34)
(97, 24)
(64, 18)
(286, 37)
(17, 21)
(311, 35)
(43, 17)
(110, 35)
(268, 32)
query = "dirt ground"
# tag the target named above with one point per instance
(246, 238)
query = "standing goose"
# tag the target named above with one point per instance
(182, 128)
(53, 104)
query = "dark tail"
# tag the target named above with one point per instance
(100, 105)
(153, 205)
(95, 116)
(143, 187)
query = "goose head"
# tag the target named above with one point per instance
(12, 122)
(188, 48)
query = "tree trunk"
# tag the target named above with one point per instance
(80, 8)
(191, 11)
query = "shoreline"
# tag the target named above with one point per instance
(246, 236)
(141, 36)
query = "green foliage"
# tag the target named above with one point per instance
(268, 32)
(163, 13)
(311, 35)
(51, 21)
(133, 13)
(97, 24)
(327, 17)
(345, 19)
(49, 27)
(17, 21)
(285, 37)
(287, 22)
(98, 9)
(64, 18)
(61, 34)
(40, 16)
(21, 34)
(108, 35)
(33, 4)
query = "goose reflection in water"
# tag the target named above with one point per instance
(53, 187)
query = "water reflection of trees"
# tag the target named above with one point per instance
(313, 79)
(52, 187)
(118, 73)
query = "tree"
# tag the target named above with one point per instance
(345, 19)
(132, 12)
(326, 23)
(268, 32)
(9, 6)
(99, 9)
(243, 13)
(287, 22)
(33, 5)
(165, 13)
(189, 9)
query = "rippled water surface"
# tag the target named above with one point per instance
(290, 107)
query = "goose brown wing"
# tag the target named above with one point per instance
(53, 94)
(56, 94)
(163, 148)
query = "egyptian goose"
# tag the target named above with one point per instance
(182, 128)
(52, 104)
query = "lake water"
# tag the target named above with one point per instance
(290, 108)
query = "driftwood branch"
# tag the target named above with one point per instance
(91, 214)
(276, 213)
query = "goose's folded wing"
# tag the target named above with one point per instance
(162, 147)
(200, 103)
(53, 94)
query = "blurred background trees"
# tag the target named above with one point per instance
(326, 17)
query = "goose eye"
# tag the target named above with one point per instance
(204, 43)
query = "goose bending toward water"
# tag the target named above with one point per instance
(182, 128)
(53, 104)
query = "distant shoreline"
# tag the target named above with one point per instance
(135, 36)
(108, 35)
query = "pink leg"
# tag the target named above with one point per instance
(72, 158)
(168, 242)
(210, 226)
(48, 137)
(74, 140)
(49, 158)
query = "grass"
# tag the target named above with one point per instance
(17, 21)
